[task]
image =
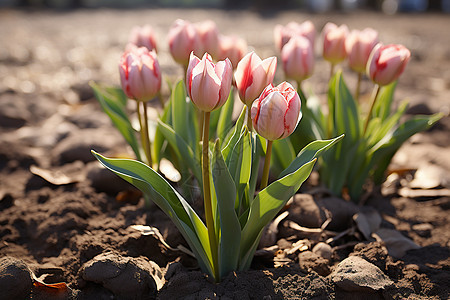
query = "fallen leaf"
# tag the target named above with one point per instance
(367, 222)
(435, 193)
(169, 171)
(396, 243)
(67, 174)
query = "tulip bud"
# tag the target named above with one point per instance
(209, 38)
(143, 37)
(298, 58)
(208, 84)
(140, 74)
(359, 45)
(276, 113)
(183, 39)
(233, 48)
(334, 42)
(283, 34)
(253, 75)
(386, 63)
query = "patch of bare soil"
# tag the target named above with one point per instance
(67, 225)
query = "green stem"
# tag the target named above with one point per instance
(249, 118)
(358, 86)
(207, 196)
(332, 70)
(147, 137)
(265, 175)
(374, 99)
(201, 118)
(142, 130)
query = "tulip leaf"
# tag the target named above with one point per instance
(346, 112)
(183, 151)
(113, 102)
(169, 200)
(311, 151)
(158, 142)
(282, 154)
(383, 105)
(239, 163)
(225, 121)
(230, 228)
(266, 205)
(183, 114)
(234, 135)
(383, 153)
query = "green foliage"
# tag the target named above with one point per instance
(361, 156)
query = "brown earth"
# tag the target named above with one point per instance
(59, 210)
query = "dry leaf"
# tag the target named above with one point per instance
(428, 176)
(396, 243)
(367, 222)
(67, 174)
(169, 171)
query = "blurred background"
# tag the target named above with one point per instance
(316, 6)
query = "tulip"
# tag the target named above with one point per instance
(386, 63)
(283, 34)
(276, 113)
(334, 42)
(253, 75)
(143, 37)
(233, 48)
(183, 39)
(358, 46)
(208, 35)
(140, 77)
(298, 59)
(140, 74)
(208, 84)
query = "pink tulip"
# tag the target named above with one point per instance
(359, 45)
(334, 42)
(298, 58)
(276, 113)
(143, 37)
(386, 63)
(253, 75)
(183, 39)
(140, 74)
(233, 48)
(283, 34)
(208, 84)
(209, 38)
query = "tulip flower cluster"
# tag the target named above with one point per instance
(200, 109)
(227, 170)
(373, 136)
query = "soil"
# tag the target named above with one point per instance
(66, 224)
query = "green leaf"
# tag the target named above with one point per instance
(283, 154)
(183, 151)
(385, 149)
(346, 117)
(311, 151)
(383, 105)
(225, 121)
(169, 200)
(113, 102)
(239, 164)
(184, 116)
(234, 134)
(158, 142)
(267, 204)
(230, 229)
